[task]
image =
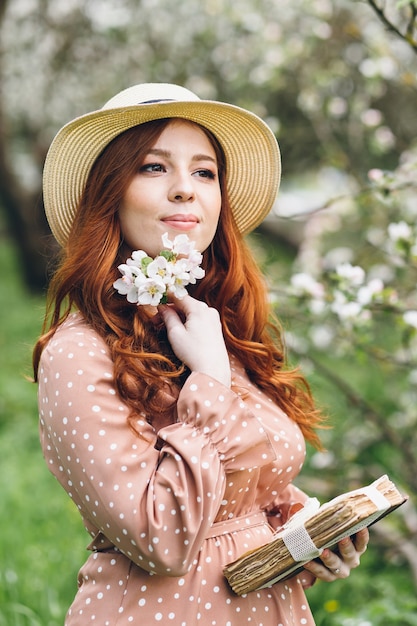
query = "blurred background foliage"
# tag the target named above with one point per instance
(337, 82)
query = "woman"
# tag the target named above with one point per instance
(174, 428)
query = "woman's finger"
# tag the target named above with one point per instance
(333, 565)
(195, 334)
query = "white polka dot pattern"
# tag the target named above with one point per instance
(156, 556)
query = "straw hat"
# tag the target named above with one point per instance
(253, 165)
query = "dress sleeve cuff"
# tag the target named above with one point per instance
(222, 415)
(290, 501)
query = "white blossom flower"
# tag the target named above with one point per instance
(317, 306)
(180, 278)
(344, 308)
(305, 284)
(126, 288)
(150, 290)
(126, 285)
(367, 293)
(399, 231)
(322, 460)
(180, 245)
(375, 174)
(371, 117)
(322, 336)
(148, 281)
(137, 257)
(410, 318)
(160, 268)
(178, 286)
(193, 264)
(353, 274)
(385, 138)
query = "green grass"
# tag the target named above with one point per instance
(42, 538)
(42, 541)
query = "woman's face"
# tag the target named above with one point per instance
(175, 191)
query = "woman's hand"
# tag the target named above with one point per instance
(333, 565)
(195, 333)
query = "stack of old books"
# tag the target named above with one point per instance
(311, 530)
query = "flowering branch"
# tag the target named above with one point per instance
(353, 297)
(149, 281)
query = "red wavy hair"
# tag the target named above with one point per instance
(144, 363)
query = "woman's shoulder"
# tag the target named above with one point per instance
(75, 333)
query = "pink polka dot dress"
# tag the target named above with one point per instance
(165, 518)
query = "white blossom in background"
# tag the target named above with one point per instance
(305, 284)
(371, 291)
(322, 336)
(347, 310)
(400, 231)
(352, 275)
(410, 318)
(322, 460)
(402, 242)
(375, 175)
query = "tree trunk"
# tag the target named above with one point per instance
(23, 211)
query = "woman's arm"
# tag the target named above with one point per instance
(155, 505)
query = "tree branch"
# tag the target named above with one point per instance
(408, 36)
(388, 434)
(392, 187)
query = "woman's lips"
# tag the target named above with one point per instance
(181, 221)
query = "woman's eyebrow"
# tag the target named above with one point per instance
(168, 154)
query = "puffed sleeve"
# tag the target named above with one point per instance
(154, 503)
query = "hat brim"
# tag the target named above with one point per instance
(253, 165)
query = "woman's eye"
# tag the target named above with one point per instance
(152, 167)
(206, 174)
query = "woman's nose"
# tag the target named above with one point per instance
(182, 189)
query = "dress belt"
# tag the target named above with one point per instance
(236, 524)
(100, 543)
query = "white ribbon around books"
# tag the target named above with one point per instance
(296, 538)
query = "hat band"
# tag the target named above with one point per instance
(156, 101)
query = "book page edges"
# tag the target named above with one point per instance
(298, 541)
(347, 514)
